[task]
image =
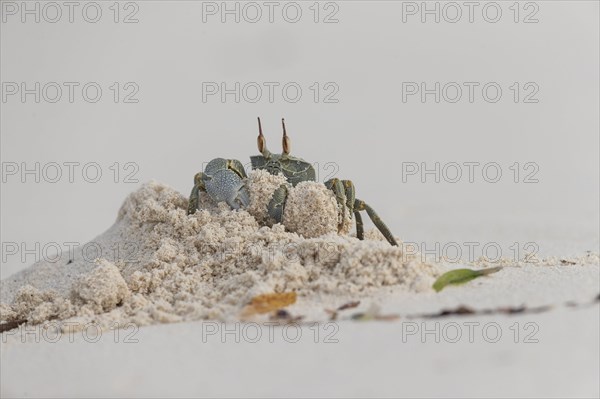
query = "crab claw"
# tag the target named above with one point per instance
(225, 185)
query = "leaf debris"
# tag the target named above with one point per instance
(267, 303)
(465, 310)
(567, 262)
(284, 315)
(461, 276)
(334, 313)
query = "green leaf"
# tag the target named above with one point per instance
(460, 276)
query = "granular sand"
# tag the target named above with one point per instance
(160, 265)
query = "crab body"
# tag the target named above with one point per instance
(225, 180)
(294, 169)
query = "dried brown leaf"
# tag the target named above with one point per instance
(266, 303)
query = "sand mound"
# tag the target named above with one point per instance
(157, 264)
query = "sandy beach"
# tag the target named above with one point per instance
(177, 313)
(468, 130)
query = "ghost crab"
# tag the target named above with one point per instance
(224, 180)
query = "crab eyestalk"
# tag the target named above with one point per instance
(262, 142)
(285, 141)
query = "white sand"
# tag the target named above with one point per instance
(171, 267)
(369, 359)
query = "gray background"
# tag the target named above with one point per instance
(368, 133)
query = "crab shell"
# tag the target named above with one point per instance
(294, 169)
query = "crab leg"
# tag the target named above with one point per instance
(194, 196)
(345, 196)
(237, 167)
(360, 232)
(350, 195)
(337, 186)
(360, 205)
(350, 200)
(277, 203)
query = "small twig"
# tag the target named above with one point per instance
(334, 313)
(464, 310)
